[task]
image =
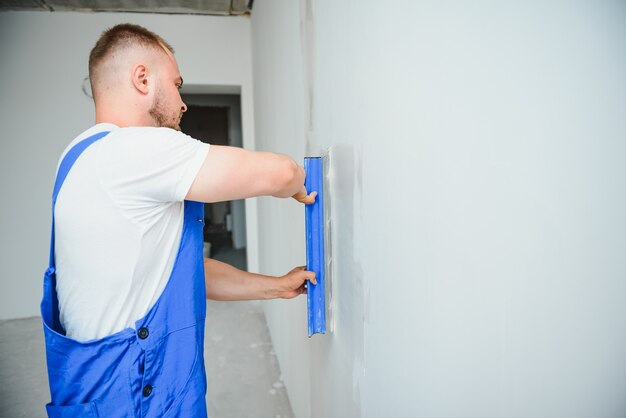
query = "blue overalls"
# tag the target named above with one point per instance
(154, 370)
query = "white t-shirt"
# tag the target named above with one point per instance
(118, 223)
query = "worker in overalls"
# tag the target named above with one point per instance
(125, 291)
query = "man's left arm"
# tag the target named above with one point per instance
(225, 282)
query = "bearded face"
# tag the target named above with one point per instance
(164, 115)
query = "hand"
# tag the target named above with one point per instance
(294, 283)
(305, 198)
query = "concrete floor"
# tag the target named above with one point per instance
(242, 371)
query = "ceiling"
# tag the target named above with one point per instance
(197, 7)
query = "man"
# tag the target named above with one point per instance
(124, 296)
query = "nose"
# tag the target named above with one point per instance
(183, 107)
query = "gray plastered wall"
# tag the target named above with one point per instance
(478, 206)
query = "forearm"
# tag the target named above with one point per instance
(225, 282)
(231, 173)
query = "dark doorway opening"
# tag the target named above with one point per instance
(216, 119)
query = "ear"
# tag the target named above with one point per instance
(139, 75)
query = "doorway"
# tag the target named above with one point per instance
(216, 119)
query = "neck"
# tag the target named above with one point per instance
(122, 114)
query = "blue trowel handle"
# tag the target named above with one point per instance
(314, 220)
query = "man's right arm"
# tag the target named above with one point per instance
(231, 173)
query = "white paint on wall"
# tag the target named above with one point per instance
(479, 265)
(280, 126)
(285, 69)
(43, 61)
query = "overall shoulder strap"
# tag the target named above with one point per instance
(69, 160)
(64, 168)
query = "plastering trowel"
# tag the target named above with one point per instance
(317, 222)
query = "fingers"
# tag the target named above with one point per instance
(310, 276)
(307, 199)
(310, 198)
(296, 282)
(301, 274)
(290, 294)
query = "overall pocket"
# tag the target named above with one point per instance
(83, 410)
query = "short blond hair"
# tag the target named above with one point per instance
(118, 37)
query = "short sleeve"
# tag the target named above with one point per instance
(143, 165)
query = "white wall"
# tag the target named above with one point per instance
(43, 61)
(280, 126)
(479, 204)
